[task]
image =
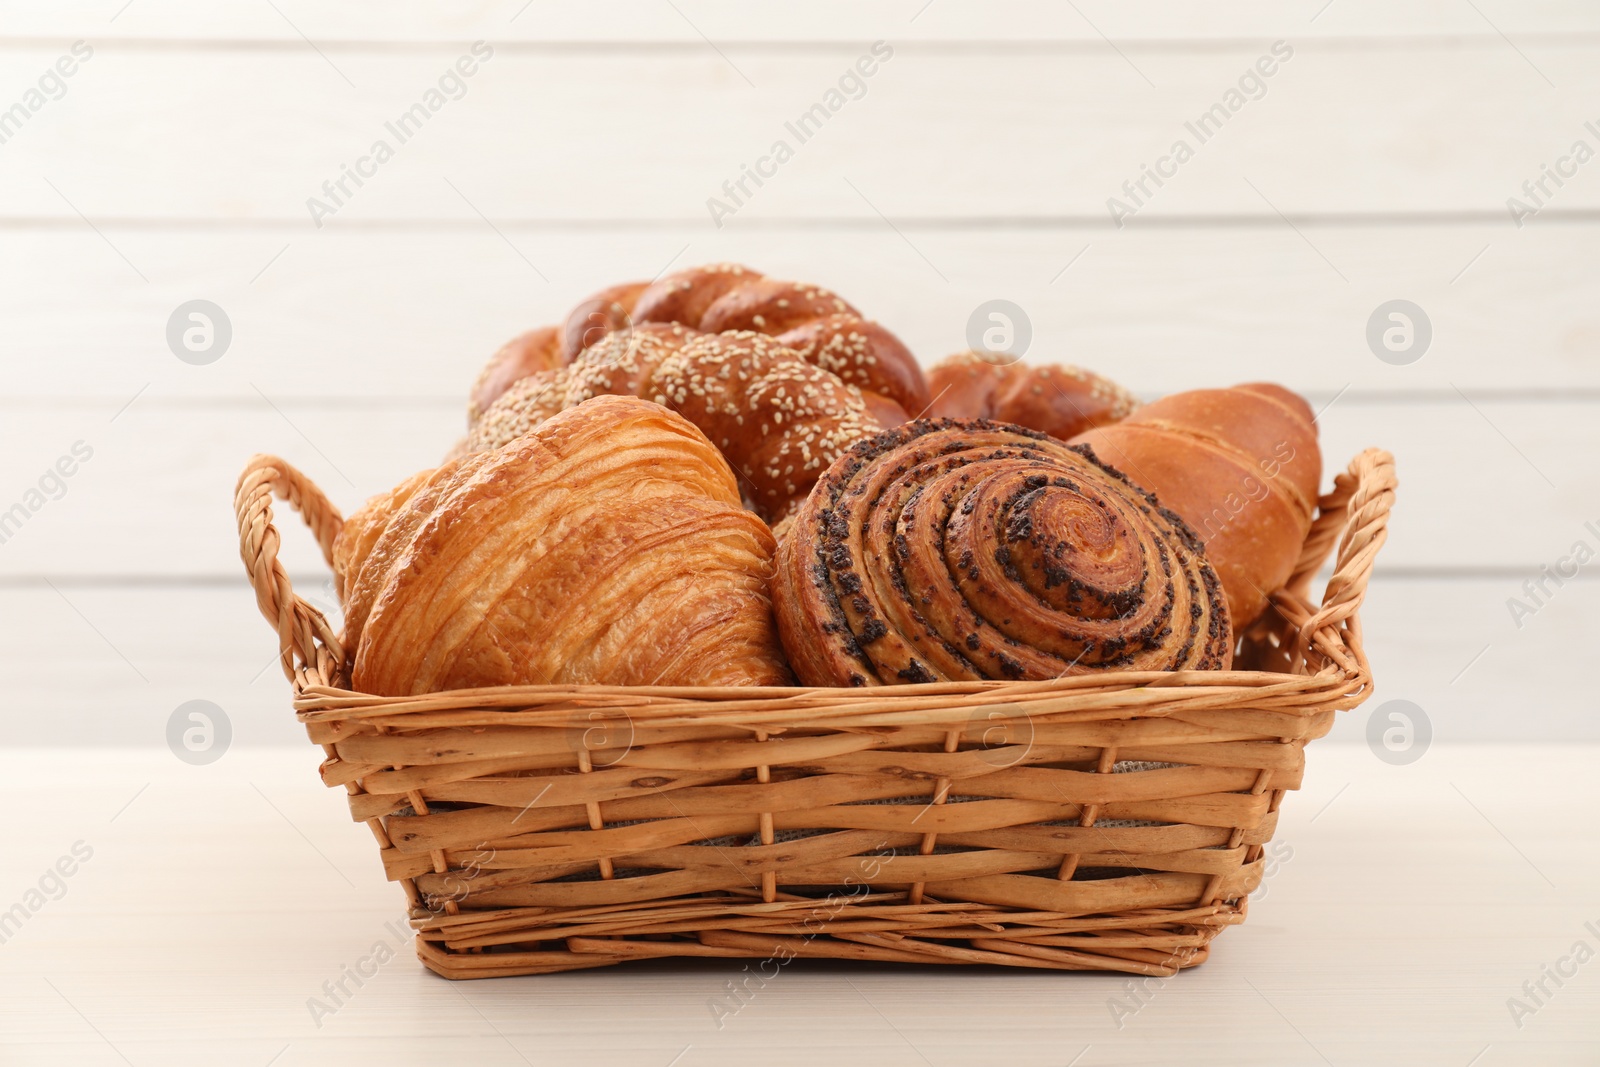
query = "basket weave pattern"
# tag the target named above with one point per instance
(1110, 822)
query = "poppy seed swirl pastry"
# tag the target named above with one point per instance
(950, 549)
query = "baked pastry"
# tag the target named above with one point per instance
(1241, 465)
(865, 355)
(816, 323)
(603, 313)
(625, 364)
(778, 419)
(528, 353)
(353, 544)
(608, 546)
(1059, 399)
(620, 364)
(367, 548)
(884, 412)
(521, 408)
(966, 549)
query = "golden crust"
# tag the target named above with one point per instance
(865, 355)
(771, 306)
(604, 313)
(1054, 398)
(818, 324)
(1242, 466)
(372, 551)
(360, 531)
(608, 546)
(521, 409)
(624, 364)
(955, 549)
(528, 353)
(685, 296)
(778, 419)
(621, 364)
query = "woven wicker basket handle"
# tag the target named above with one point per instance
(301, 627)
(1356, 514)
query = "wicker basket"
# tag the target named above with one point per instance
(1110, 822)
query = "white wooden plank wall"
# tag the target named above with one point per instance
(1375, 163)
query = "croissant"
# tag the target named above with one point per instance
(353, 544)
(1059, 399)
(816, 323)
(366, 548)
(1241, 465)
(608, 546)
(953, 549)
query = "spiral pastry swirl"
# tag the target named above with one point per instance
(963, 549)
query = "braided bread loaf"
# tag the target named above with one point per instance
(594, 318)
(817, 324)
(778, 419)
(619, 364)
(528, 353)
(951, 549)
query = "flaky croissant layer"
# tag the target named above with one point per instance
(609, 546)
(953, 549)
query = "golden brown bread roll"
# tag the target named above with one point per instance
(520, 409)
(885, 412)
(620, 364)
(815, 322)
(686, 296)
(603, 313)
(529, 353)
(966, 549)
(1058, 399)
(608, 546)
(626, 364)
(850, 347)
(1242, 467)
(778, 419)
(772, 307)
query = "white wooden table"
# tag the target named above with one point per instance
(1411, 903)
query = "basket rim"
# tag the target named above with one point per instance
(320, 702)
